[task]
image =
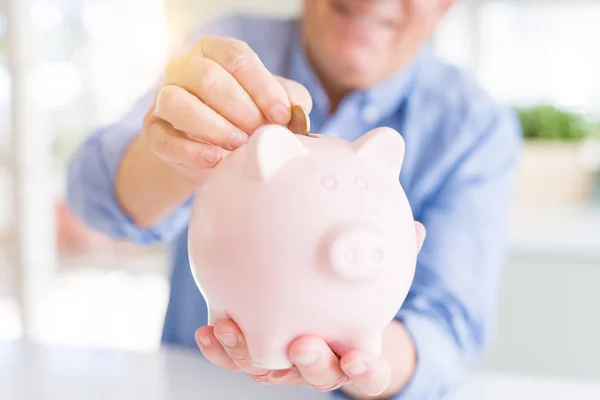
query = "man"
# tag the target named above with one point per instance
(356, 65)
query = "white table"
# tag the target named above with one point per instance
(38, 372)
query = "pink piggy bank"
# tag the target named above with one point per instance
(292, 235)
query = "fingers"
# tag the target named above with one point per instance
(218, 89)
(172, 146)
(294, 378)
(212, 349)
(219, 93)
(317, 364)
(186, 113)
(232, 340)
(239, 60)
(421, 233)
(289, 376)
(225, 346)
(370, 375)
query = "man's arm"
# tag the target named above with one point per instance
(148, 188)
(117, 186)
(451, 309)
(448, 318)
(91, 183)
(143, 172)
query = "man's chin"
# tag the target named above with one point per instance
(355, 73)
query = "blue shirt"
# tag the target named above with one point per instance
(458, 173)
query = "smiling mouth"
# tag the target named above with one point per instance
(343, 8)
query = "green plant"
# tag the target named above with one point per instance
(552, 123)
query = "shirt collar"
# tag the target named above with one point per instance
(384, 97)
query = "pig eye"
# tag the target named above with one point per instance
(361, 183)
(329, 182)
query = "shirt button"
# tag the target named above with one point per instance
(370, 114)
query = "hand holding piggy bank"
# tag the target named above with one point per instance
(293, 235)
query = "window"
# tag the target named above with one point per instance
(529, 52)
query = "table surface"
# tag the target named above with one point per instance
(30, 371)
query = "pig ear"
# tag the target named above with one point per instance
(270, 148)
(383, 145)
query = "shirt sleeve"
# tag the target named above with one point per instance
(91, 178)
(450, 311)
(451, 307)
(92, 169)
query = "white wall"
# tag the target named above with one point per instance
(185, 14)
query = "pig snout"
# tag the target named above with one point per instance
(356, 254)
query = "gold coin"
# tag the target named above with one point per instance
(300, 123)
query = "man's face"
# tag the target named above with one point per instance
(361, 42)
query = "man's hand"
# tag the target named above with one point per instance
(213, 98)
(315, 364)
(358, 374)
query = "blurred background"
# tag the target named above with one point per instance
(79, 64)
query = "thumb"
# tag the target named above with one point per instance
(296, 92)
(421, 233)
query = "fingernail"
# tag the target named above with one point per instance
(205, 340)
(280, 114)
(158, 99)
(237, 139)
(355, 368)
(278, 375)
(228, 339)
(210, 156)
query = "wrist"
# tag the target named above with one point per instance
(400, 352)
(147, 188)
